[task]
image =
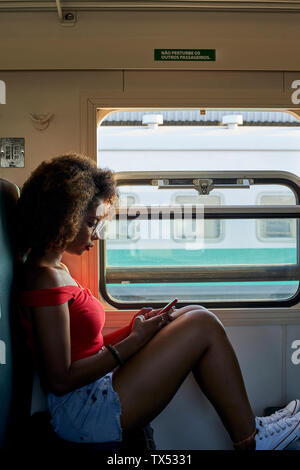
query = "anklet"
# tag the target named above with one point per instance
(247, 440)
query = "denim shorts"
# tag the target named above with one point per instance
(87, 414)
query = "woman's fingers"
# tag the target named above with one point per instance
(162, 319)
(144, 310)
(156, 312)
(140, 317)
(150, 313)
(156, 322)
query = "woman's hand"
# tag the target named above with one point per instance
(148, 312)
(154, 313)
(144, 329)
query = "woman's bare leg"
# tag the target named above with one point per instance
(196, 341)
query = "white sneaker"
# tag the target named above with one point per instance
(278, 434)
(290, 410)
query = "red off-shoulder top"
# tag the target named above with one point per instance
(87, 317)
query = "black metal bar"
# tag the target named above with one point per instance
(168, 274)
(209, 212)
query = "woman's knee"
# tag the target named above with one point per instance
(203, 318)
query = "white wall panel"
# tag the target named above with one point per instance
(190, 422)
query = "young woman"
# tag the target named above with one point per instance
(98, 387)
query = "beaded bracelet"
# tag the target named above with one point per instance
(116, 354)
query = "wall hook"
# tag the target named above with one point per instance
(41, 121)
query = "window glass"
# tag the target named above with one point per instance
(186, 229)
(284, 229)
(211, 259)
(191, 266)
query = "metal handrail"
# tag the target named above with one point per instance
(238, 273)
(210, 212)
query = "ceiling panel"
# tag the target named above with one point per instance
(86, 5)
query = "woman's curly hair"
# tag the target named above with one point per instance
(55, 198)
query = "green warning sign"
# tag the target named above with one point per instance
(185, 54)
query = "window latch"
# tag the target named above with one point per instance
(203, 185)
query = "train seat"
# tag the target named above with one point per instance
(9, 194)
(24, 419)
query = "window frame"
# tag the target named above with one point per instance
(231, 212)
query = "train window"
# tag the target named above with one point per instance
(239, 270)
(272, 229)
(199, 224)
(185, 229)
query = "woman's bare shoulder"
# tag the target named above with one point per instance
(41, 277)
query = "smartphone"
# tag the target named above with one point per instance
(168, 306)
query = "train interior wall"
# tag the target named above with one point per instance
(51, 69)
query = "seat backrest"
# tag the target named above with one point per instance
(9, 194)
